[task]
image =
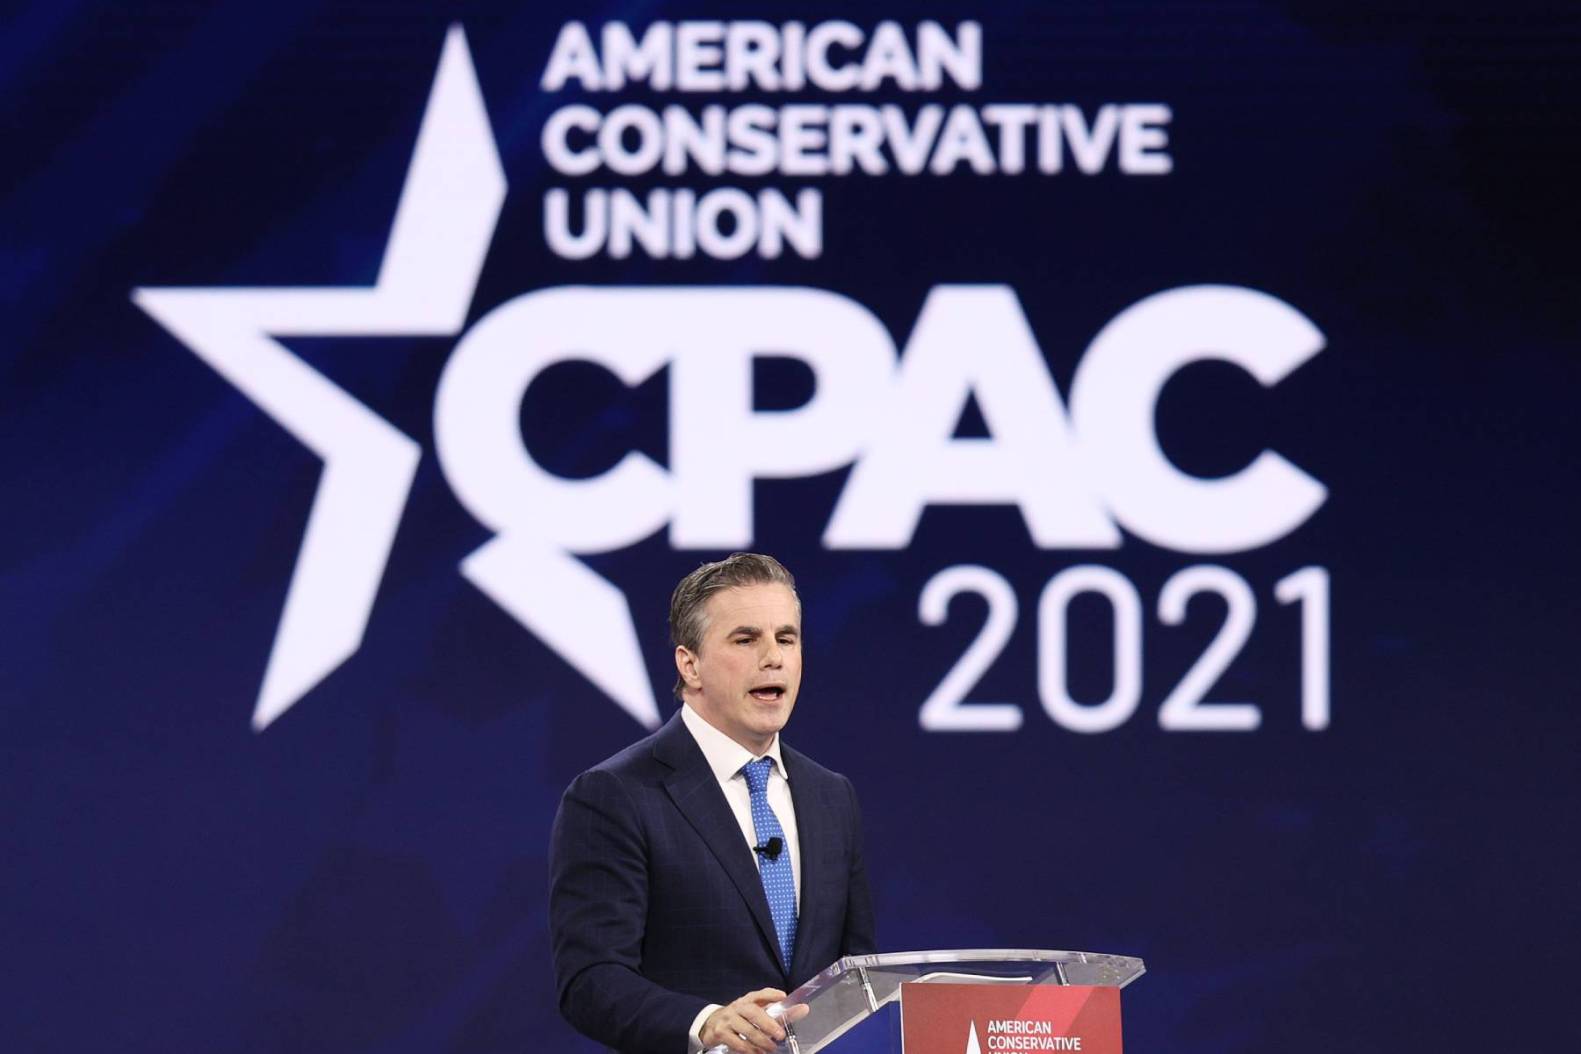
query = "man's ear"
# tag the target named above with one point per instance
(686, 666)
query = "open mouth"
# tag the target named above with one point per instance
(768, 693)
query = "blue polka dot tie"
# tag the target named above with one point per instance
(779, 881)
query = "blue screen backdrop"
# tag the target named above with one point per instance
(1371, 846)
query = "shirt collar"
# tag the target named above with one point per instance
(724, 755)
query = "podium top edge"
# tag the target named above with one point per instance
(995, 955)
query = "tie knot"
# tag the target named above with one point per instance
(757, 774)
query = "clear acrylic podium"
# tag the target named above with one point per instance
(858, 988)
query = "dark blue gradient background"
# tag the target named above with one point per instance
(369, 873)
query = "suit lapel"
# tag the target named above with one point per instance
(817, 856)
(696, 793)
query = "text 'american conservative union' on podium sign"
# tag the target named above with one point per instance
(1018, 1019)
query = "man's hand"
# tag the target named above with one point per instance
(745, 1025)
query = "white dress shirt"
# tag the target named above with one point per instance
(726, 758)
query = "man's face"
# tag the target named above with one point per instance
(744, 678)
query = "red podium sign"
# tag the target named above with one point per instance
(1009, 1019)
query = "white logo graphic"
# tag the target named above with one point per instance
(452, 197)
(1077, 476)
(972, 1045)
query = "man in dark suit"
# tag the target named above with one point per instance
(703, 872)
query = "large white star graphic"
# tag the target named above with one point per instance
(455, 186)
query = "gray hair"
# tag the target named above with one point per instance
(688, 618)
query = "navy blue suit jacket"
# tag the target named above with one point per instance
(656, 908)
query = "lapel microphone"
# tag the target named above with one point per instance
(771, 848)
